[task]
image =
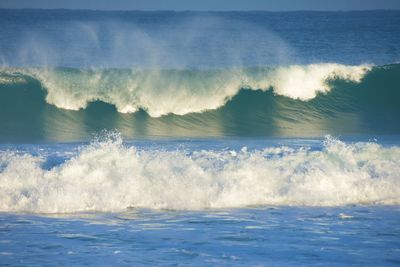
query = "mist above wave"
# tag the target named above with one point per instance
(145, 41)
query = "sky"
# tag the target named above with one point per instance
(204, 5)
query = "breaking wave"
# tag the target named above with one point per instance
(298, 100)
(179, 92)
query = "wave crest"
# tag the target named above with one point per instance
(184, 91)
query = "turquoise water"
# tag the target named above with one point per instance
(199, 138)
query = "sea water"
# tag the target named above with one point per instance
(199, 138)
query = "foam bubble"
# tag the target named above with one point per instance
(109, 176)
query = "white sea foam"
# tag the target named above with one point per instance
(185, 91)
(305, 82)
(109, 176)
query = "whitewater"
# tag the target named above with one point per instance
(111, 176)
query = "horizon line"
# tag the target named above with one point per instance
(189, 10)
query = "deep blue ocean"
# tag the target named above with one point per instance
(199, 138)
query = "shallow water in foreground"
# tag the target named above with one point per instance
(266, 236)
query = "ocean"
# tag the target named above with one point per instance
(199, 138)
